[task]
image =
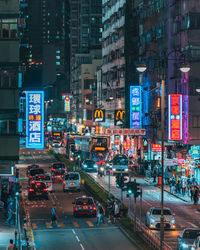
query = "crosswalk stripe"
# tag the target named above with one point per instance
(105, 224)
(75, 224)
(48, 224)
(90, 224)
(34, 225)
(62, 225)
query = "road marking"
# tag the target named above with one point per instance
(34, 225)
(82, 247)
(90, 224)
(73, 231)
(77, 238)
(105, 224)
(193, 225)
(62, 225)
(48, 224)
(85, 229)
(75, 224)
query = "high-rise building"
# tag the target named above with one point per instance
(85, 46)
(9, 96)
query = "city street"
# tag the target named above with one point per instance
(73, 233)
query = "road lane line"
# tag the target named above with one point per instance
(34, 225)
(75, 224)
(77, 238)
(73, 231)
(90, 224)
(82, 247)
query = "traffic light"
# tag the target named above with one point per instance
(17, 189)
(129, 188)
(118, 180)
(122, 182)
(133, 188)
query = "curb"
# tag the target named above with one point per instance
(166, 191)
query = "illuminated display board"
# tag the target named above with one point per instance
(35, 119)
(175, 117)
(99, 115)
(67, 102)
(135, 106)
(119, 116)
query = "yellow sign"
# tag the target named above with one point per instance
(119, 116)
(99, 149)
(99, 115)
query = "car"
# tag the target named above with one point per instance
(187, 237)
(33, 166)
(196, 244)
(37, 189)
(89, 165)
(58, 166)
(57, 171)
(56, 143)
(33, 172)
(72, 181)
(153, 218)
(46, 178)
(84, 206)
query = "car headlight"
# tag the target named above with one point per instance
(102, 169)
(184, 245)
(95, 166)
(172, 221)
(85, 166)
(114, 169)
(193, 248)
(152, 220)
(126, 169)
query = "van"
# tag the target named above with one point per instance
(72, 181)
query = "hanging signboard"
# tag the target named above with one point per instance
(135, 106)
(67, 102)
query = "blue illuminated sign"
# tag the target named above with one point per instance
(135, 106)
(35, 119)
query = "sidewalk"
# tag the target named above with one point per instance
(185, 197)
(6, 232)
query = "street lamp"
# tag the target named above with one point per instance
(142, 68)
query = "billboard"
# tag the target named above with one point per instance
(135, 106)
(175, 117)
(99, 115)
(35, 119)
(119, 116)
(67, 102)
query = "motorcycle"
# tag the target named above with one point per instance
(101, 171)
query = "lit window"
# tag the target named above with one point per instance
(57, 57)
(57, 51)
(57, 63)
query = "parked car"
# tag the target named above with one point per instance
(37, 189)
(72, 181)
(84, 206)
(187, 238)
(153, 218)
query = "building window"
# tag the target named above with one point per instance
(57, 57)
(8, 28)
(57, 63)
(196, 121)
(57, 51)
(3, 126)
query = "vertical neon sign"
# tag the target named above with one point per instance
(35, 119)
(175, 117)
(135, 106)
(67, 100)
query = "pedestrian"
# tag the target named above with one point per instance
(100, 216)
(183, 185)
(116, 211)
(196, 195)
(192, 193)
(110, 209)
(11, 245)
(11, 213)
(154, 174)
(53, 217)
(179, 186)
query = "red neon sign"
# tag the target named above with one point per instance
(175, 117)
(156, 148)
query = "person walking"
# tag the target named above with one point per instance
(100, 212)
(116, 211)
(54, 217)
(11, 213)
(196, 195)
(11, 246)
(192, 193)
(183, 185)
(110, 209)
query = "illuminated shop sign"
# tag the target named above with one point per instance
(119, 117)
(99, 115)
(35, 119)
(175, 117)
(135, 106)
(67, 102)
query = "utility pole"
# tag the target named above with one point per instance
(109, 183)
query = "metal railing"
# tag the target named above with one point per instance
(148, 235)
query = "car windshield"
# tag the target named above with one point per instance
(36, 171)
(191, 234)
(158, 212)
(43, 178)
(89, 162)
(58, 172)
(84, 201)
(72, 177)
(58, 166)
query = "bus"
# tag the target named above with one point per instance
(99, 147)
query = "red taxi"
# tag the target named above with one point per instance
(84, 206)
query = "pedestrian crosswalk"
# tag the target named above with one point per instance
(73, 224)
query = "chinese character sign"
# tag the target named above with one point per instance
(175, 117)
(135, 106)
(67, 102)
(35, 119)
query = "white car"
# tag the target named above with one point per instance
(56, 143)
(153, 218)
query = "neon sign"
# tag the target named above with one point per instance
(67, 102)
(35, 119)
(175, 117)
(135, 106)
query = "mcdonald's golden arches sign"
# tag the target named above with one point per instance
(119, 116)
(99, 115)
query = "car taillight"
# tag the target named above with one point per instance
(58, 176)
(38, 184)
(64, 182)
(53, 169)
(31, 190)
(50, 183)
(45, 189)
(28, 170)
(32, 181)
(94, 208)
(30, 177)
(76, 209)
